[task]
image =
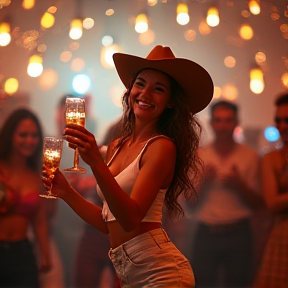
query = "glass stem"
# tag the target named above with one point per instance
(76, 158)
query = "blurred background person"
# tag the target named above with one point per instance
(222, 254)
(20, 204)
(54, 278)
(273, 271)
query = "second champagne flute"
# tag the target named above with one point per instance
(52, 152)
(75, 114)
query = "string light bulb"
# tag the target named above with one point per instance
(47, 20)
(213, 18)
(35, 67)
(11, 86)
(257, 84)
(28, 4)
(76, 29)
(246, 31)
(182, 17)
(254, 7)
(5, 36)
(141, 23)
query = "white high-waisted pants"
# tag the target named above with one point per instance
(151, 260)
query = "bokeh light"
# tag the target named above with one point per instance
(190, 35)
(271, 134)
(77, 64)
(229, 61)
(107, 40)
(65, 56)
(230, 92)
(88, 23)
(48, 79)
(147, 37)
(11, 86)
(217, 92)
(81, 83)
(246, 32)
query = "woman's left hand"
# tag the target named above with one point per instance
(79, 137)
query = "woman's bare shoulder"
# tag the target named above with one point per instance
(161, 145)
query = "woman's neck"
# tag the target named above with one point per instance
(141, 134)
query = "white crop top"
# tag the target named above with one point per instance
(126, 179)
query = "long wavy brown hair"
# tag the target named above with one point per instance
(183, 128)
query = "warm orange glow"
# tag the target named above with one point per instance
(254, 7)
(246, 32)
(47, 20)
(11, 86)
(28, 4)
(229, 61)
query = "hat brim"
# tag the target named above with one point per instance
(194, 80)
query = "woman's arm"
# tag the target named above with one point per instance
(157, 168)
(275, 201)
(88, 211)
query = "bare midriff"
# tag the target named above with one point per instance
(118, 236)
(13, 227)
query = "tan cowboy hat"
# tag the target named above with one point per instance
(194, 80)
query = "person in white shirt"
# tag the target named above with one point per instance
(223, 243)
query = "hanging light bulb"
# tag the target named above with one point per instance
(28, 4)
(254, 7)
(182, 14)
(35, 67)
(5, 36)
(47, 20)
(257, 84)
(11, 86)
(141, 23)
(246, 31)
(75, 32)
(212, 18)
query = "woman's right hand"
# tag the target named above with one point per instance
(60, 185)
(81, 138)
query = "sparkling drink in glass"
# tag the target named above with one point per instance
(75, 114)
(52, 153)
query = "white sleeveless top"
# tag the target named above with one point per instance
(126, 179)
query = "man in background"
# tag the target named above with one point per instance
(223, 246)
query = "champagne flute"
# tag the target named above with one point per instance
(75, 114)
(52, 153)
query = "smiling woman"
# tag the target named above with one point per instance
(146, 167)
(20, 205)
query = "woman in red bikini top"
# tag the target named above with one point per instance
(20, 204)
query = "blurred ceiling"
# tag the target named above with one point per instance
(192, 41)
